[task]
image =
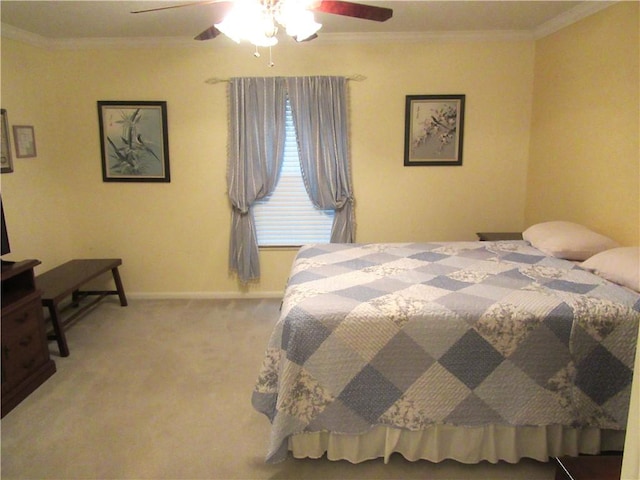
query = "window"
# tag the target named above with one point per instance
(287, 217)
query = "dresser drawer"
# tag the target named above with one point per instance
(17, 323)
(21, 356)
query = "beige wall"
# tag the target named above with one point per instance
(35, 204)
(584, 162)
(173, 238)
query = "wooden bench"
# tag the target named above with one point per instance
(59, 283)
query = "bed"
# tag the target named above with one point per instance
(469, 351)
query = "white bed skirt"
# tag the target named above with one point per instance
(464, 444)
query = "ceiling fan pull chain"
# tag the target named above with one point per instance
(256, 53)
(271, 64)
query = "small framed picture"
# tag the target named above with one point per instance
(434, 127)
(25, 141)
(134, 141)
(6, 163)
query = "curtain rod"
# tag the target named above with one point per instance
(215, 80)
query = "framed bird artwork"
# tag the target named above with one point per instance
(134, 141)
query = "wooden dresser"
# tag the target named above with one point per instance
(25, 351)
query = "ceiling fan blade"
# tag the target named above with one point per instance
(208, 34)
(308, 39)
(180, 5)
(351, 9)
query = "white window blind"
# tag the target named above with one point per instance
(287, 217)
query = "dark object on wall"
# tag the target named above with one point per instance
(6, 163)
(434, 126)
(5, 237)
(134, 141)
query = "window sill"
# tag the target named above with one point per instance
(279, 247)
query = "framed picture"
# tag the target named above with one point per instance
(6, 163)
(134, 141)
(25, 141)
(434, 127)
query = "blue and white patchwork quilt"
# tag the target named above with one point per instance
(465, 333)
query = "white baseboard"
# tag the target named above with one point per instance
(202, 295)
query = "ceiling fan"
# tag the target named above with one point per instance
(257, 20)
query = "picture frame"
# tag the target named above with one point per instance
(434, 128)
(6, 162)
(25, 141)
(134, 141)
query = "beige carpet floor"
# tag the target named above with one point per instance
(161, 389)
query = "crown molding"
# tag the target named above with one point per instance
(425, 37)
(14, 33)
(572, 16)
(35, 40)
(133, 42)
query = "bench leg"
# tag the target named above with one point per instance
(119, 287)
(75, 296)
(59, 331)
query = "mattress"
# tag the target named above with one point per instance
(414, 337)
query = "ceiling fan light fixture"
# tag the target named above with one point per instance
(256, 21)
(297, 19)
(303, 26)
(249, 21)
(232, 25)
(263, 41)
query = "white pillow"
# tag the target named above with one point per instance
(567, 240)
(618, 265)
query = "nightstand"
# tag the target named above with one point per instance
(495, 236)
(589, 467)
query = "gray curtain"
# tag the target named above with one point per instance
(319, 108)
(256, 146)
(257, 134)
